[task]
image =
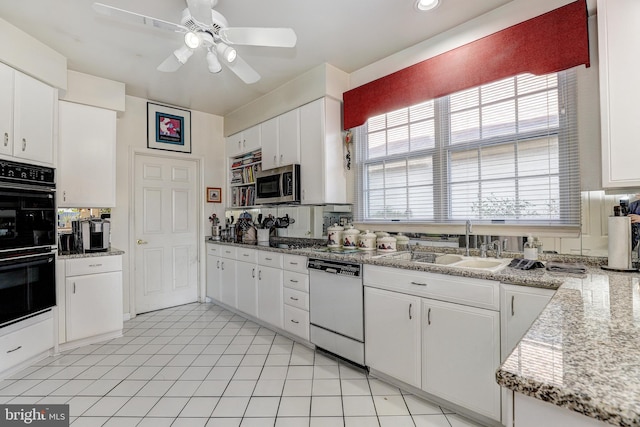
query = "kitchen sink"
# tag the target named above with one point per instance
(450, 260)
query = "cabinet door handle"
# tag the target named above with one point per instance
(239, 144)
(513, 300)
(274, 160)
(259, 274)
(418, 284)
(281, 156)
(293, 281)
(268, 259)
(253, 273)
(64, 195)
(218, 264)
(24, 144)
(15, 349)
(293, 263)
(410, 306)
(294, 299)
(429, 316)
(244, 143)
(222, 266)
(6, 139)
(294, 321)
(74, 287)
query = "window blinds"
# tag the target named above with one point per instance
(504, 152)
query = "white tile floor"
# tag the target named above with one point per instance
(201, 365)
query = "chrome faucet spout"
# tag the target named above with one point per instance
(466, 237)
(497, 244)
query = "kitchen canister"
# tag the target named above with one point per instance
(381, 234)
(367, 241)
(387, 244)
(334, 236)
(402, 242)
(350, 238)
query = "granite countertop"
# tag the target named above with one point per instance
(111, 251)
(583, 351)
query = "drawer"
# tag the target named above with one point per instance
(247, 255)
(296, 321)
(228, 252)
(93, 265)
(213, 249)
(270, 259)
(462, 290)
(295, 263)
(23, 344)
(296, 299)
(295, 280)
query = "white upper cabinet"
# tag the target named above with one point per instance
(322, 172)
(6, 109)
(27, 107)
(86, 156)
(243, 142)
(619, 91)
(281, 140)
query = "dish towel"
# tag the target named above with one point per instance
(525, 264)
(561, 267)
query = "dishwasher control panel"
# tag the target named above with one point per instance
(335, 267)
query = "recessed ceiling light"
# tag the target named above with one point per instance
(423, 5)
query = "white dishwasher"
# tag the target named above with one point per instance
(336, 308)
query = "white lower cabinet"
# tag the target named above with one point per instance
(521, 306)
(296, 295)
(460, 353)
(228, 293)
(93, 297)
(392, 334)
(213, 275)
(247, 282)
(270, 295)
(531, 412)
(24, 344)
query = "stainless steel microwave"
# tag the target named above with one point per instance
(278, 185)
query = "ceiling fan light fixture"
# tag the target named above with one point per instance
(183, 53)
(227, 52)
(192, 40)
(213, 63)
(424, 5)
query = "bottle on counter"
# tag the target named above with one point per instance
(530, 251)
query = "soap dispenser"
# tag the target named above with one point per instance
(530, 251)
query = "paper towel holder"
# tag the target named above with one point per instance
(620, 258)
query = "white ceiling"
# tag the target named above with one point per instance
(348, 34)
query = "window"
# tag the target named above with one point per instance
(503, 152)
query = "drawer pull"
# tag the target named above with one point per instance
(268, 259)
(74, 287)
(293, 281)
(294, 299)
(245, 254)
(410, 317)
(95, 265)
(294, 321)
(513, 311)
(15, 349)
(227, 252)
(293, 263)
(418, 284)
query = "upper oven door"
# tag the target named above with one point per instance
(27, 217)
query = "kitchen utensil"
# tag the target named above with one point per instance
(259, 221)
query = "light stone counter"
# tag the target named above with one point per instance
(111, 251)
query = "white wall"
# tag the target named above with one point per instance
(207, 143)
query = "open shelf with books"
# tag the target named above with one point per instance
(242, 178)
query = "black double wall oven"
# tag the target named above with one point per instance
(27, 241)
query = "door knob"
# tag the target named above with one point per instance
(141, 242)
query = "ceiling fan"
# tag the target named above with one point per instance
(203, 27)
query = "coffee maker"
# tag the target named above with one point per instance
(91, 235)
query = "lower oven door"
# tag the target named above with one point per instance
(27, 286)
(336, 303)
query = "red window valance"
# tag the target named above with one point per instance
(554, 41)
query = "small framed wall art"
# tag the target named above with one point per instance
(214, 195)
(168, 128)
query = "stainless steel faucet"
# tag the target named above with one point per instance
(497, 244)
(466, 237)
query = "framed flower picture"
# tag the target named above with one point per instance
(168, 128)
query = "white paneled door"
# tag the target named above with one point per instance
(166, 255)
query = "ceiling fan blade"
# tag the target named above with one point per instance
(243, 70)
(274, 37)
(200, 11)
(137, 18)
(170, 64)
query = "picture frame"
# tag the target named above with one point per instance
(168, 128)
(214, 195)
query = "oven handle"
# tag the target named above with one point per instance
(24, 261)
